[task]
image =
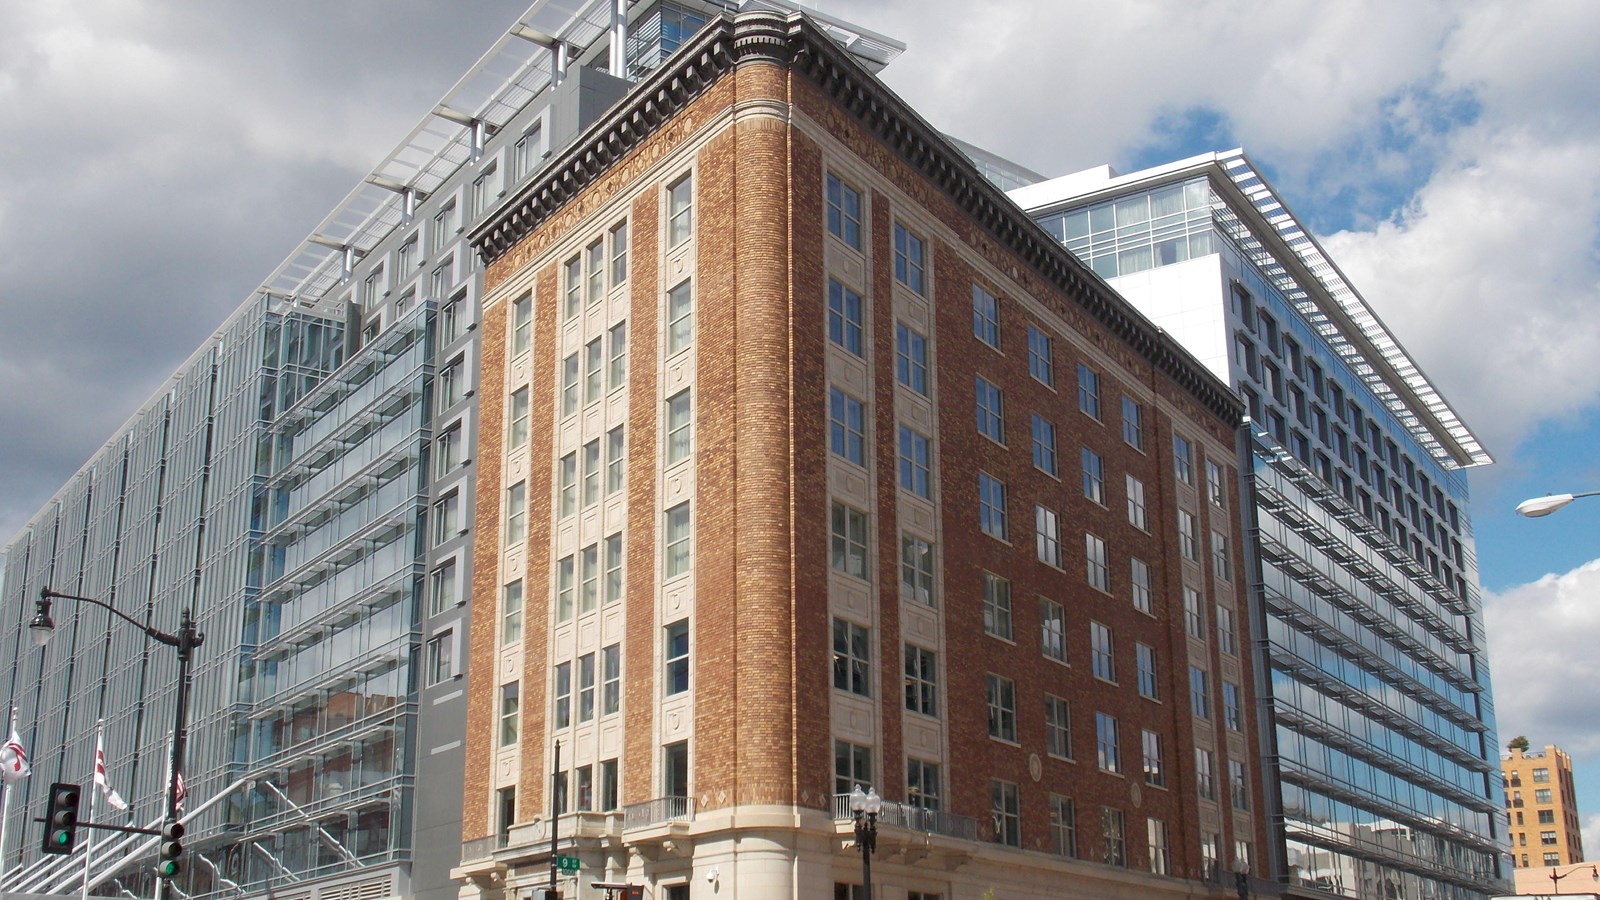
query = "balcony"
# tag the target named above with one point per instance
(662, 810)
(913, 818)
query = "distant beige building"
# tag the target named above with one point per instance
(1543, 808)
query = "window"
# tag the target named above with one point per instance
(1541, 776)
(566, 579)
(617, 372)
(511, 613)
(611, 685)
(1132, 423)
(1227, 642)
(1105, 735)
(1160, 858)
(1216, 485)
(676, 656)
(1221, 561)
(1550, 859)
(922, 680)
(444, 225)
(442, 588)
(1546, 816)
(1210, 867)
(1041, 361)
(1144, 658)
(1186, 536)
(619, 252)
(1064, 825)
(908, 259)
(569, 384)
(914, 462)
(680, 435)
(563, 694)
(1007, 813)
(680, 211)
(1154, 773)
(1002, 708)
(452, 380)
(1053, 630)
(573, 280)
(675, 773)
(852, 767)
(1047, 530)
(1089, 391)
(1044, 444)
(589, 591)
(595, 255)
(1140, 578)
(1057, 727)
(996, 606)
(1205, 773)
(613, 576)
(482, 189)
(616, 459)
(910, 358)
(449, 317)
(1102, 652)
(518, 430)
(441, 657)
(509, 703)
(405, 259)
(446, 517)
(505, 815)
(844, 211)
(1199, 693)
(1238, 785)
(844, 317)
(585, 798)
(991, 411)
(916, 569)
(516, 514)
(586, 687)
(852, 658)
(1116, 849)
(846, 427)
(447, 450)
(591, 473)
(849, 530)
(1194, 615)
(594, 375)
(442, 278)
(1094, 552)
(922, 785)
(567, 484)
(1542, 795)
(991, 505)
(679, 552)
(1183, 459)
(1136, 514)
(680, 318)
(1230, 707)
(986, 316)
(1094, 477)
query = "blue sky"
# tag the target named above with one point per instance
(1446, 154)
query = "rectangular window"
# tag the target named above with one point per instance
(1007, 813)
(675, 773)
(405, 259)
(586, 687)
(991, 411)
(1144, 657)
(1088, 391)
(1160, 856)
(846, 427)
(916, 569)
(848, 527)
(986, 316)
(676, 656)
(1227, 642)
(1183, 459)
(1116, 845)
(569, 384)
(923, 789)
(510, 702)
(1194, 614)
(996, 606)
(616, 459)
(1216, 485)
(680, 318)
(1064, 825)
(1053, 629)
(1199, 693)
(442, 588)
(1044, 444)
(449, 317)
(852, 767)
(922, 681)
(1047, 536)
(909, 261)
(591, 473)
(1002, 708)
(567, 484)
(1542, 795)
(444, 225)
(1132, 423)
(1140, 578)
(1238, 785)
(1102, 652)
(992, 505)
(447, 450)
(483, 189)
(1041, 360)
(452, 381)
(1136, 512)
(1154, 773)
(619, 252)
(617, 371)
(1230, 707)
(511, 613)
(594, 373)
(679, 555)
(595, 254)
(1541, 776)
(566, 587)
(1095, 562)
(563, 695)
(611, 680)
(440, 657)
(518, 430)
(852, 658)
(1057, 727)
(446, 518)
(1094, 477)
(844, 212)
(1210, 864)
(589, 582)
(914, 462)
(516, 514)
(585, 788)
(844, 317)
(680, 211)
(1205, 771)
(1186, 536)
(573, 281)
(613, 576)
(1107, 755)
(911, 358)
(1221, 561)
(680, 435)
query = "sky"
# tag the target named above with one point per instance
(159, 159)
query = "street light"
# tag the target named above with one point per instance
(184, 642)
(865, 807)
(1555, 878)
(1539, 507)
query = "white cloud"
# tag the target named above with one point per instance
(1542, 640)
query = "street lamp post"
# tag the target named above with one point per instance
(1556, 875)
(865, 806)
(184, 642)
(1539, 507)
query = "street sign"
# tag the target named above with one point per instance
(567, 864)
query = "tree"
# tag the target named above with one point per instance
(1518, 743)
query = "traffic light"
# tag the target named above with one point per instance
(171, 849)
(61, 819)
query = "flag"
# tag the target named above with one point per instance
(13, 759)
(181, 793)
(113, 798)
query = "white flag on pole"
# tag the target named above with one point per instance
(13, 759)
(100, 781)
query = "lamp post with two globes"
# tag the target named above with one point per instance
(865, 806)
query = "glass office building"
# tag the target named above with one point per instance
(1379, 721)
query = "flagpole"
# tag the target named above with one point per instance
(94, 798)
(5, 809)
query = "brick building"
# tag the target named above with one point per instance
(806, 461)
(1543, 806)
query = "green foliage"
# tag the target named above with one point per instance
(1518, 743)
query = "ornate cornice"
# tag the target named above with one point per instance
(793, 41)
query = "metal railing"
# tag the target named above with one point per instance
(482, 848)
(913, 818)
(661, 809)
